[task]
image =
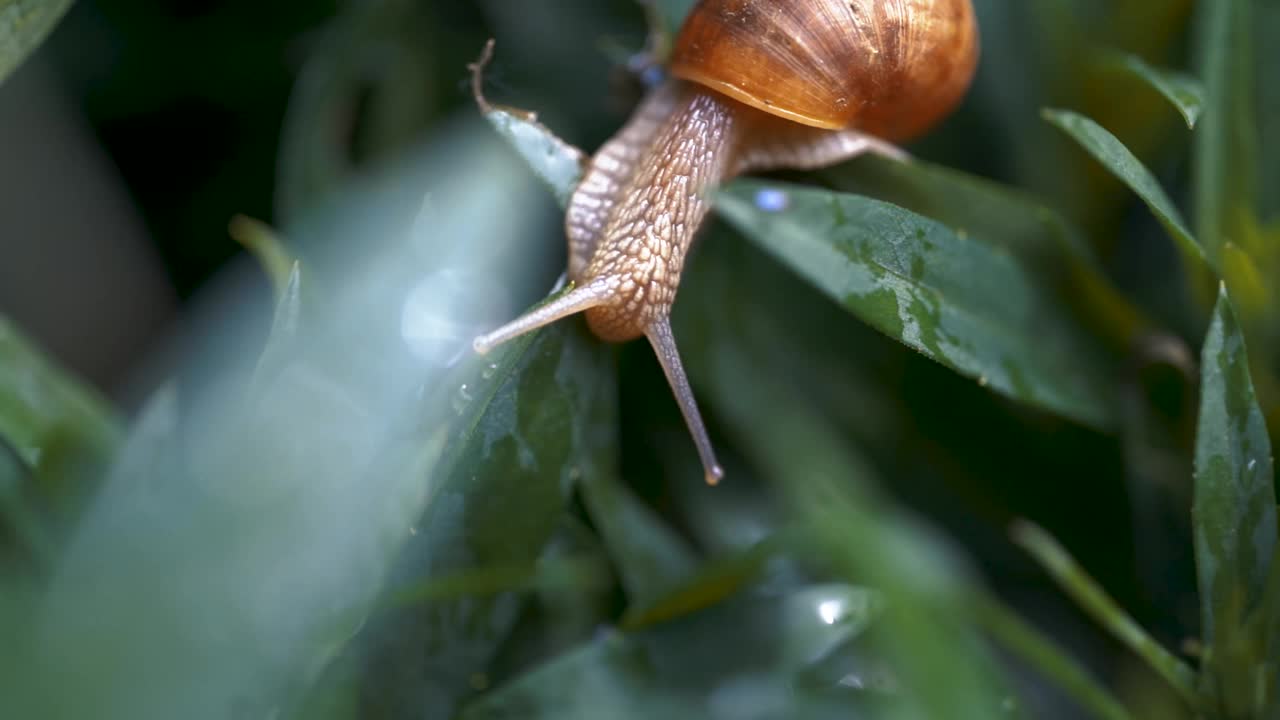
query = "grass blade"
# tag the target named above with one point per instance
(1117, 159)
(1097, 603)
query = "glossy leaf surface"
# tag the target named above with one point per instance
(1234, 515)
(959, 300)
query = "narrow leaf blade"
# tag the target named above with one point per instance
(1225, 181)
(1116, 158)
(43, 408)
(1183, 91)
(1234, 509)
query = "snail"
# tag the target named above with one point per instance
(755, 85)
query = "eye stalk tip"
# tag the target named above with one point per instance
(715, 474)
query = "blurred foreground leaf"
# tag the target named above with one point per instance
(43, 409)
(250, 523)
(1234, 514)
(263, 241)
(832, 490)
(24, 24)
(955, 298)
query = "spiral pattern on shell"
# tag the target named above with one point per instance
(891, 68)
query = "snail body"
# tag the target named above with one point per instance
(756, 85)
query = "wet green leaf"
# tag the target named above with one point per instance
(1234, 510)
(1117, 159)
(959, 300)
(699, 663)
(523, 443)
(1012, 220)
(24, 24)
(1183, 91)
(43, 410)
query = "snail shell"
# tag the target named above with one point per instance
(849, 75)
(891, 68)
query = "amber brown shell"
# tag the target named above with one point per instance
(891, 68)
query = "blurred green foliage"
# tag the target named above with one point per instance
(355, 517)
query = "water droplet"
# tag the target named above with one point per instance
(462, 398)
(1253, 463)
(830, 611)
(983, 381)
(413, 530)
(489, 371)
(772, 200)
(842, 103)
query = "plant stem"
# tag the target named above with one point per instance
(1021, 637)
(1096, 602)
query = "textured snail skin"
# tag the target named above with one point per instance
(655, 193)
(643, 195)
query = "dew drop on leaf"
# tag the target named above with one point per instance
(771, 200)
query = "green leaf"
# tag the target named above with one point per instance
(18, 519)
(650, 557)
(680, 669)
(1012, 221)
(276, 518)
(285, 334)
(1183, 91)
(554, 161)
(713, 582)
(261, 240)
(1117, 159)
(831, 489)
(525, 440)
(1234, 510)
(955, 298)
(24, 24)
(1225, 180)
(1094, 600)
(43, 410)
(1022, 638)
